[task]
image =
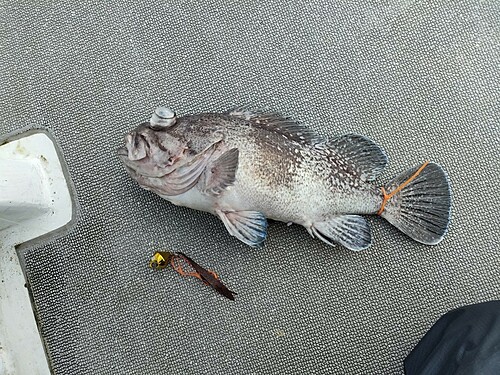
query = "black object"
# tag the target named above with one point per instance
(209, 278)
(463, 341)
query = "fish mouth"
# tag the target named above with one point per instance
(122, 151)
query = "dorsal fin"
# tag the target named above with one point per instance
(364, 158)
(278, 124)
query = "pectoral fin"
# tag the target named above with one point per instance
(249, 227)
(351, 231)
(221, 173)
(186, 176)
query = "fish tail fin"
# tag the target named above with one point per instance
(418, 203)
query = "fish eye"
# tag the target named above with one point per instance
(164, 113)
(162, 117)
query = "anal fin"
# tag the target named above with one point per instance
(350, 231)
(249, 227)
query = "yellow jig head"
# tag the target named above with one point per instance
(160, 260)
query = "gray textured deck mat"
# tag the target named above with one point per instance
(419, 78)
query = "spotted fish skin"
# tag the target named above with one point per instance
(247, 166)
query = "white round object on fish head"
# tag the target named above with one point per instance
(162, 117)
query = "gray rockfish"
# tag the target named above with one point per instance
(245, 166)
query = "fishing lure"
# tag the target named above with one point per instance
(178, 261)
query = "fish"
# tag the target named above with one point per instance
(246, 167)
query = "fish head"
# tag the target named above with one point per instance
(150, 150)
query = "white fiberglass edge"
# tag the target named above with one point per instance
(34, 200)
